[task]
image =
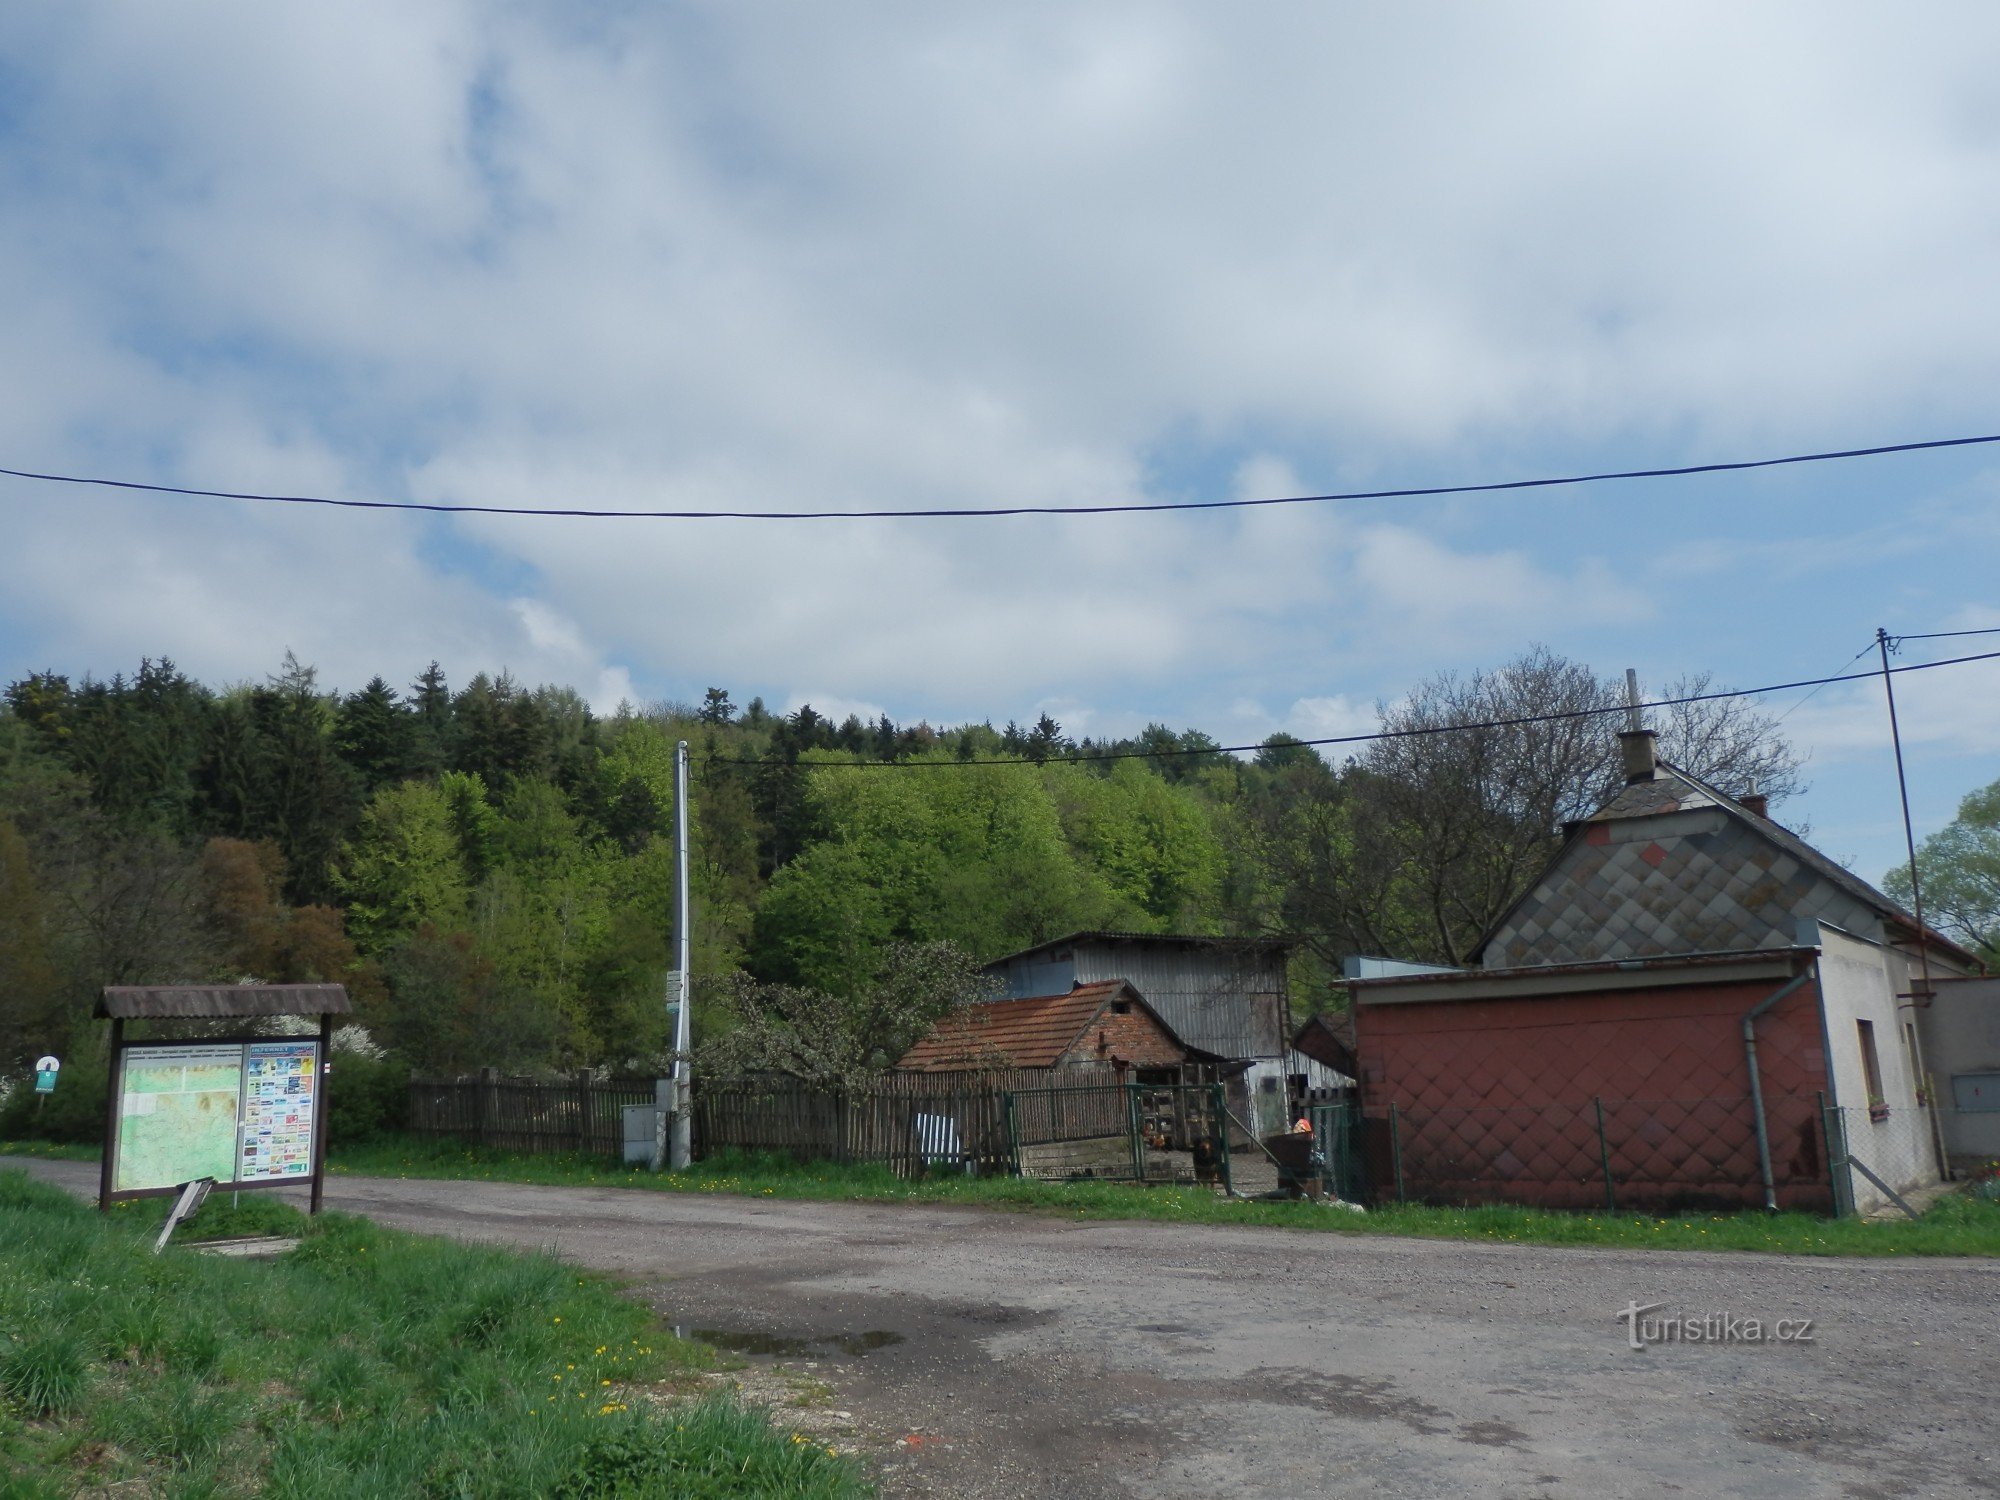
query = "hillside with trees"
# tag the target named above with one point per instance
(489, 869)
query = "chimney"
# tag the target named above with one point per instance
(1757, 802)
(1642, 754)
(1641, 747)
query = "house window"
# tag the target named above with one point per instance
(1871, 1069)
(1121, 1007)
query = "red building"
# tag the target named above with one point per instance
(1691, 1006)
(1498, 1079)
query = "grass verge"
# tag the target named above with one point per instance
(364, 1363)
(49, 1150)
(1955, 1226)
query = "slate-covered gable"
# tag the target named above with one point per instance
(1672, 865)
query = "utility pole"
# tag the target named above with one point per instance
(682, 1146)
(1923, 997)
(673, 1138)
(1921, 992)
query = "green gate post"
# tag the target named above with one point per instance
(1132, 1139)
(1396, 1148)
(1833, 1129)
(1353, 1164)
(1604, 1155)
(1013, 1134)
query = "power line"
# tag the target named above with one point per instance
(1815, 692)
(1934, 635)
(942, 513)
(1380, 734)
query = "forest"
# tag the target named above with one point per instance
(489, 867)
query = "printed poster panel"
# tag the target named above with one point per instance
(177, 1115)
(279, 1079)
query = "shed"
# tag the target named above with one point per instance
(1226, 996)
(1104, 1025)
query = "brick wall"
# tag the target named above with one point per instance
(1133, 1037)
(1498, 1096)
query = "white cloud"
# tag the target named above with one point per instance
(1954, 709)
(1329, 718)
(833, 706)
(809, 258)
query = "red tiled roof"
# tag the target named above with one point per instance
(1031, 1033)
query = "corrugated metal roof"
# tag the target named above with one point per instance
(1227, 996)
(187, 1002)
(1033, 1032)
(1190, 940)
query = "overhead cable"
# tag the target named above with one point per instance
(1417, 732)
(1935, 635)
(963, 512)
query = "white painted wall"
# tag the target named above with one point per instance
(1961, 1040)
(1859, 981)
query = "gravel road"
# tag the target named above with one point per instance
(974, 1354)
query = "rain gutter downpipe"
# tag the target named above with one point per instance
(1756, 1083)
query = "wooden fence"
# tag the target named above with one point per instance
(905, 1121)
(579, 1113)
(899, 1128)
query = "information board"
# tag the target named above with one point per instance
(177, 1112)
(242, 1113)
(278, 1109)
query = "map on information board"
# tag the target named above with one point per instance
(177, 1115)
(278, 1103)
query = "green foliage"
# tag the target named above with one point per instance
(404, 866)
(1960, 869)
(367, 1097)
(716, 1448)
(365, 1363)
(46, 1371)
(488, 870)
(451, 1008)
(31, 1019)
(838, 1039)
(73, 1113)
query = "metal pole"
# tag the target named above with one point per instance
(681, 1148)
(1909, 832)
(1604, 1155)
(1826, 1135)
(1923, 992)
(1396, 1148)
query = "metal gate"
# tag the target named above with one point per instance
(1157, 1133)
(1336, 1132)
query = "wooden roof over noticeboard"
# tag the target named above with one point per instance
(181, 1002)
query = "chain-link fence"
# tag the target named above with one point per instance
(1661, 1155)
(1881, 1153)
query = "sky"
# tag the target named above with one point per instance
(900, 256)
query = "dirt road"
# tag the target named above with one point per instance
(1033, 1357)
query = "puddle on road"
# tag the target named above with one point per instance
(788, 1346)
